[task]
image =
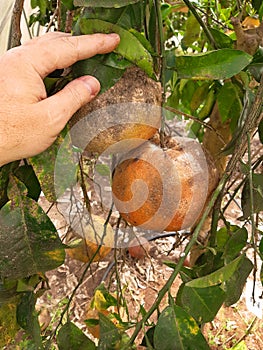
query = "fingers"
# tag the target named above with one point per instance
(60, 50)
(60, 107)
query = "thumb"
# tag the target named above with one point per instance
(66, 102)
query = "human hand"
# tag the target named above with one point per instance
(29, 120)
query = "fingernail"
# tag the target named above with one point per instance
(92, 84)
(114, 35)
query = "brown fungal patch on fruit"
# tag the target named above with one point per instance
(176, 185)
(128, 110)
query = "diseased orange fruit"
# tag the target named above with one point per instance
(93, 236)
(138, 248)
(163, 189)
(129, 110)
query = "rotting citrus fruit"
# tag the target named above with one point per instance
(128, 110)
(163, 189)
(139, 247)
(94, 234)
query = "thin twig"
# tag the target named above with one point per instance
(69, 21)
(52, 19)
(201, 22)
(197, 120)
(253, 229)
(162, 62)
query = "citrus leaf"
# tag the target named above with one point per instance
(222, 40)
(234, 286)
(199, 95)
(219, 64)
(7, 291)
(202, 303)
(104, 3)
(97, 67)
(217, 277)
(70, 337)
(56, 160)
(28, 239)
(260, 131)
(8, 322)
(240, 346)
(4, 179)
(177, 330)
(257, 193)
(27, 175)
(192, 31)
(69, 4)
(229, 103)
(109, 334)
(130, 47)
(128, 17)
(27, 318)
(235, 243)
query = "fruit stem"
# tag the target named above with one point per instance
(162, 64)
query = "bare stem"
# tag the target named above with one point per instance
(201, 22)
(15, 30)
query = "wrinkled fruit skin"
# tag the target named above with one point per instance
(129, 110)
(163, 189)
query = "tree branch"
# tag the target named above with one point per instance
(15, 30)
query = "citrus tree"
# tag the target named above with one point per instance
(191, 63)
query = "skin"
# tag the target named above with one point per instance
(29, 120)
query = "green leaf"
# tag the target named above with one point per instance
(220, 64)
(199, 96)
(8, 322)
(222, 236)
(27, 175)
(27, 318)
(128, 17)
(105, 73)
(104, 3)
(257, 193)
(260, 131)
(256, 4)
(260, 247)
(229, 103)
(177, 330)
(234, 286)
(130, 47)
(148, 338)
(192, 31)
(69, 4)
(109, 334)
(235, 243)
(70, 337)
(201, 303)
(5, 171)
(28, 239)
(217, 277)
(240, 346)
(103, 170)
(42, 4)
(208, 105)
(222, 40)
(8, 289)
(56, 160)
